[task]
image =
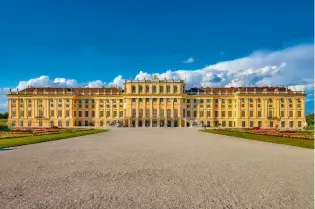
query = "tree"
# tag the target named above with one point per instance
(310, 119)
(4, 115)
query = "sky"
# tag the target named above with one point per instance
(208, 43)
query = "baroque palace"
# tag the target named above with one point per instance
(157, 103)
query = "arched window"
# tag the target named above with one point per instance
(133, 89)
(147, 89)
(140, 89)
(161, 89)
(168, 89)
(153, 89)
(101, 123)
(175, 89)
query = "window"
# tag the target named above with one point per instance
(133, 100)
(40, 123)
(59, 123)
(40, 100)
(259, 114)
(282, 124)
(184, 113)
(29, 113)
(270, 124)
(270, 100)
(67, 113)
(13, 123)
(175, 89)
(223, 123)
(80, 114)
(86, 113)
(154, 112)
(230, 101)
(147, 89)
(188, 113)
(93, 114)
(201, 114)
(175, 99)
(59, 113)
(270, 114)
(299, 114)
(216, 114)
(59, 100)
(121, 114)
(101, 114)
(101, 123)
(147, 99)
(67, 100)
(22, 114)
(230, 114)
(223, 114)
(281, 100)
(29, 100)
(290, 100)
(195, 114)
(243, 114)
(147, 112)
(114, 114)
(299, 100)
(250, 100)
(29, 123)
(107, 100)
(161, 89)
(201, 101)
(195, 101)
(108, 114)
(290, 114)
(258, 100)
(168, 89)
(161, 99)
(291, 124)
(154, 100)
(21, 100)
(242, 100)
(251, 113)
(168, 99)
(251, 123)
(208, 100)
(67, 123)
(243, 124)
(223, 101)
(259, 123)
(52, 113)
(282, 114)
(140, 89)
(140, 100)
(75, 113)
(299, 124)
(133, 89)
(188, 100)
(208, 113)
(41, 113)
(21, 123)
(230, 123)
(153, 89)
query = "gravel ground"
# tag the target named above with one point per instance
(156, 168)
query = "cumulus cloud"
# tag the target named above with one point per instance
(189, 60)
(117, 82)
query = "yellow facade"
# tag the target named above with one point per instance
(157, 103)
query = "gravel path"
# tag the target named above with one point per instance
(156, 168)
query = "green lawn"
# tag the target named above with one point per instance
(5, 143)
(273, 139)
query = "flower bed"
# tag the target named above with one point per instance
(307, 135)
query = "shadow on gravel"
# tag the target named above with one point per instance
(6, 149)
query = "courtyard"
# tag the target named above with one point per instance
(156, 168)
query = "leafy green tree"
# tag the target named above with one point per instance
(4, 115)
(310, 119)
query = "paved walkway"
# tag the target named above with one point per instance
(156, 168)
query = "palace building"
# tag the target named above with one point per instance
(157, 103)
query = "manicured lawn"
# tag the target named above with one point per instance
(274, 139)
(13, 142)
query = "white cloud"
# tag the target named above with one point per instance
(96, 84)
(118, 81)
(189, 60)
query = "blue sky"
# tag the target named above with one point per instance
(93, 43)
